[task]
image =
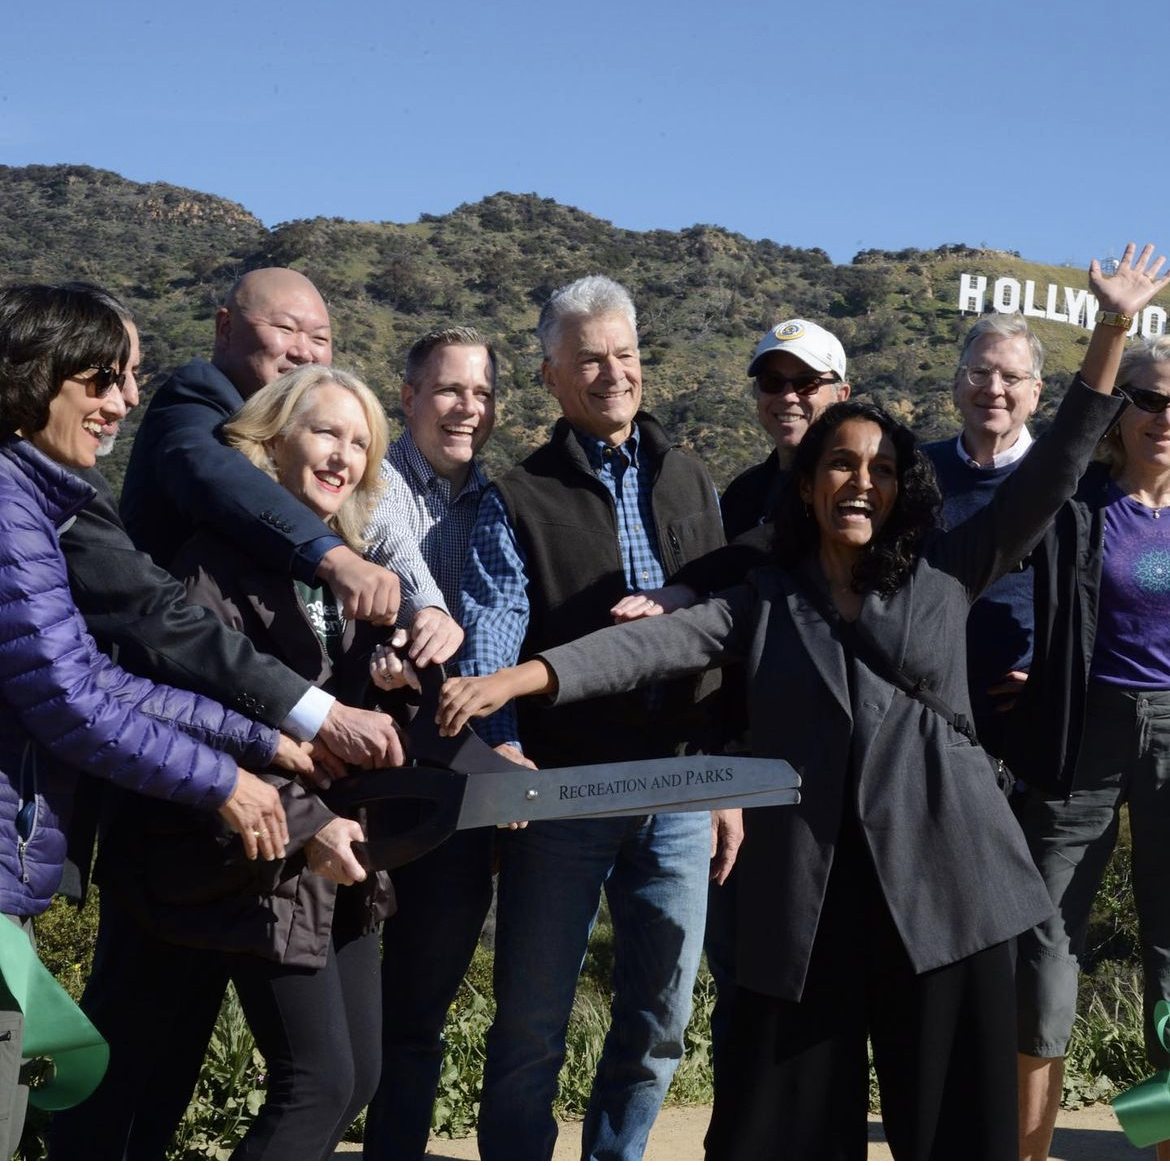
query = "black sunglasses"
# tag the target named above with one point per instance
(1147, 400)
(103, 380)
(805, 386)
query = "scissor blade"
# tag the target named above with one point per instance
(660, 785)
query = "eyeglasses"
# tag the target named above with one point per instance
(979, 377)
(805, 386)
(103, 380)
(1147, 400)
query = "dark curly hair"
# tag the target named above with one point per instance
(889, 558)
(49, 333)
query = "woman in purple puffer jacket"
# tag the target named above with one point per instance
(64, 706)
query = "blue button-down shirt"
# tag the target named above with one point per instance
(495, 578)
(420, 531)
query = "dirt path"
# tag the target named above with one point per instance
(1082, 1135)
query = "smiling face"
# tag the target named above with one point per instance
(79, 420)
(276, 320)
(786, 415)
(129, 388)
(994, 414)
(321, 457)
(1145, 437)
(595, 374)
(452, 409)
(853, 488)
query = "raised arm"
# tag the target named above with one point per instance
(465, 697)
(391, 542)
(994, 539)
(1123, 294)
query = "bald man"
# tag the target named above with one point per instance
(157, 1003)
(181, 477)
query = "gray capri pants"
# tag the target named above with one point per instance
(1124, 758)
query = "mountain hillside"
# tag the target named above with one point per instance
(704, 296)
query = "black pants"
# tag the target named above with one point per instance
(796, 1082)
(320, 1036)
(156, 1004)
(428, 943)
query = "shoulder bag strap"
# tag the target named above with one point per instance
(861, 643)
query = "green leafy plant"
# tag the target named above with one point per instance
(1107, 1052)
(1106, 1055)
(229, 1093)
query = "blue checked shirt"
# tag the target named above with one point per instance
(419, 531)
(494, 611)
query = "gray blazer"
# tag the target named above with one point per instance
(951, 861)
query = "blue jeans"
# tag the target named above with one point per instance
(654, 870)
(427, 945)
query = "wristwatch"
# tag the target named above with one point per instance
(1114, 320)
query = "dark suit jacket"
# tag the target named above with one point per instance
(140, 616)
(950, 859)
(181, 477)
(751, 497)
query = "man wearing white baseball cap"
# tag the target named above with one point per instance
(799, 370)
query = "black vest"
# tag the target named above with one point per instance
(565, 522)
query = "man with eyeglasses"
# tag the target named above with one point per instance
(996, 390)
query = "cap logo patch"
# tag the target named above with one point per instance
(789, 332)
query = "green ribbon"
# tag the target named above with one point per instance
(53, 1025)
(1144, 1110)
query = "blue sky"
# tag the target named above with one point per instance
(1029, 126)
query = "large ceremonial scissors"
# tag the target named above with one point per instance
(468, 784)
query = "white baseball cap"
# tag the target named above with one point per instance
(809, 342)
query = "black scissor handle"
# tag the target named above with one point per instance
(441, 788)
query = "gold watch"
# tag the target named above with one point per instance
(1114, 320)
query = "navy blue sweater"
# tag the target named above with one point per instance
(999, 628)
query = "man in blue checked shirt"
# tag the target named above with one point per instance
(608, 507)
(420, 529)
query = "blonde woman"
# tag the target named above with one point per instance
(302, 951)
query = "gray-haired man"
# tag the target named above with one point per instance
(996, 389)
(609, 506)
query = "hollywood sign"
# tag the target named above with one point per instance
(1069, 305)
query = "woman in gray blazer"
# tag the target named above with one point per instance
(880, 908)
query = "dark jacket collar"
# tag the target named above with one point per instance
(203, 373)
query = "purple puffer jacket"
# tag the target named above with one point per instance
(65, 707)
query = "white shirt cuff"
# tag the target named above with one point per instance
(306, 717)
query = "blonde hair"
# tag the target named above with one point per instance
(273, 412)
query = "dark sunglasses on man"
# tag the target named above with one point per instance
(1147, 400)
(805, 386)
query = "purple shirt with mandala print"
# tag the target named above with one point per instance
(1131, 648)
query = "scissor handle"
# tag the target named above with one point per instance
(442, 788)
